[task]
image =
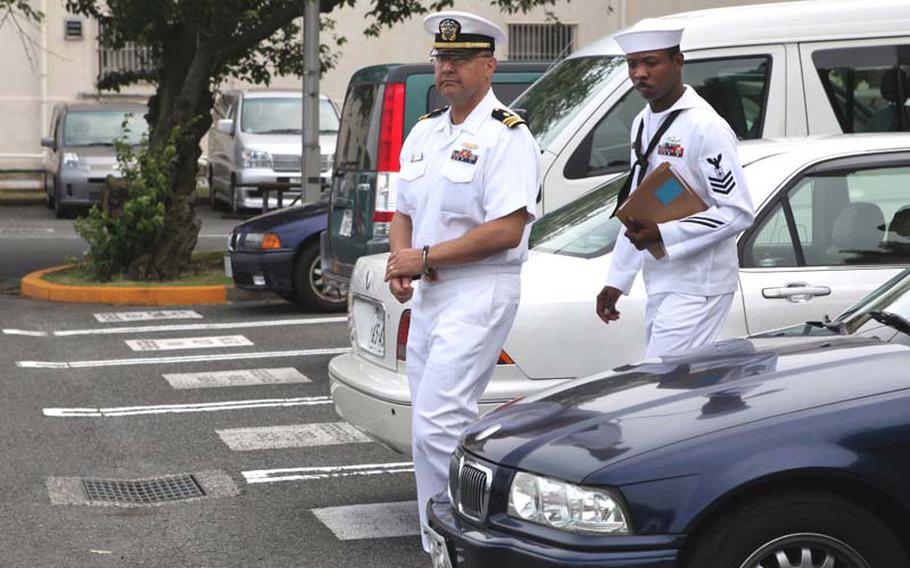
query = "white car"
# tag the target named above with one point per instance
(832, 224)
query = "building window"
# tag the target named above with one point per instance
(72, 28)
(541, 42)
(130, 58)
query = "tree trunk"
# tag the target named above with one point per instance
(183, 101)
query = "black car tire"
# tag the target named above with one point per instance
(48, 193)
(235, 206)
(60, 211)
(790, 523)
(214, 203)
(309, 287)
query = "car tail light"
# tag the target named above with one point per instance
(504, 359)
(271, 241)
(404, 324)
(391, 136)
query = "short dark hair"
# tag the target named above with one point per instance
(673, 51)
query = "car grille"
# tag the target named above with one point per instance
(285, 163)
(469, 484)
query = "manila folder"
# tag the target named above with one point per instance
(662, 196)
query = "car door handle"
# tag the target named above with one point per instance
(791, 291)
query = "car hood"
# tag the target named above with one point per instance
(279, 217)
(288, 143)
(591, 423)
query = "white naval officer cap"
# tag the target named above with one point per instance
(461, 32)
(650, 34)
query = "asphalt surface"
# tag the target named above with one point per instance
(46, 377)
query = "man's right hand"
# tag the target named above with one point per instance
(606, 304)
(401, 288)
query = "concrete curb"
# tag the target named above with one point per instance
(34, 286)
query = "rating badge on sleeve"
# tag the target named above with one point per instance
(721, 180)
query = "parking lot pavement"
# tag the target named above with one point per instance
(189, 436)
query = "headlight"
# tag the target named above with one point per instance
(565, 506)
(71, 160)
(256, 159)
(261, 241)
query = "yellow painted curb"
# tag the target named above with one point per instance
(35, 286)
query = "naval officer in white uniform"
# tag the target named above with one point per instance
(467, 195)
(690, 290)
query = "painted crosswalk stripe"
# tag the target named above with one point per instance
(375, 520)
(292, 436)
(188, 343)
(117, 317)
(236, 378)
(184, 408)
(180, 359)
(326, 472)
(180, 327)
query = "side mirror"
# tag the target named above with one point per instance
(49, 143)
(225, 126)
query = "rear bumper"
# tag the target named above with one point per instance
(263, 270)
(377, 400)
(482, 547)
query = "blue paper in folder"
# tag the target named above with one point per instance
(669, 191)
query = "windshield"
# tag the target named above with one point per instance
(283, 116)
(102, 127)
(558, 96)
(582, 228)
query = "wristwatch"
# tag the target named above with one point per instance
(430, 272)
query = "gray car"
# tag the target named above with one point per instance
(80, 150)
(255, 143)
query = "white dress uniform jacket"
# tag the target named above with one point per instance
(701, 249)
(454, 178)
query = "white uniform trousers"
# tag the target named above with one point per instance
(458, 328)
(675, 322)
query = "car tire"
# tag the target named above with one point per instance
(214, 203)
(235, 205)
(310, 289)
(795, 524)
(48, 193)
(60, 211)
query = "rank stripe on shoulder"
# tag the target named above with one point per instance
(434, 113)
(508, 118)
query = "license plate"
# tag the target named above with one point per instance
(227, 267)
(369, 325)
(439, 552)
(347, 221)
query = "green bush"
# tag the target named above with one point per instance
(119, 236)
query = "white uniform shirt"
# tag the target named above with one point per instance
(455, 177)
(701, 249)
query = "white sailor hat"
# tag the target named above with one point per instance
(649, 34)
(456, 32)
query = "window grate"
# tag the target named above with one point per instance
(72, 28)
(130, 58)
(541, 42)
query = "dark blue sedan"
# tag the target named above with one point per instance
(789, 449)
(279, 251)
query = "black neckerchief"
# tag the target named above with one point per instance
(641, 160)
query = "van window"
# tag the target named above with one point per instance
(736, 88)
(563, 91)
(868, 87)
(859, 216)
(358, 135)
(102, 127)
(273, 115)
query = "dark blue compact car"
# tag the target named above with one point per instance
(279, 251)
(785, 450)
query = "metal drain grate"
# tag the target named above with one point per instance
(145, 491)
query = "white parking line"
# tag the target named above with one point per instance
(117, 317)
(178, 359)
(375, 520)
(328, 472)
(183, 408)
(180, 327)
(188, 343)
(292, 436)
(236, 378)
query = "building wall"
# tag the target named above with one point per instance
(35, 79)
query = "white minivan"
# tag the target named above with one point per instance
(771, 70)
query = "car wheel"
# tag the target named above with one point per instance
(310, 288)
(797, 530)
(213, 198)
(60, 211)
(235, 199)
(48, 193)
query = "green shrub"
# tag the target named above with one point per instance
(120, 235)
